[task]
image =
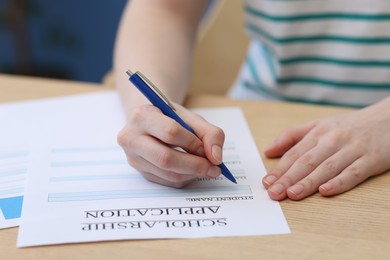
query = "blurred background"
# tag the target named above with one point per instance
(67, 39)
(74, 40)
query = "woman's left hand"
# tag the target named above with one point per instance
(331, 155)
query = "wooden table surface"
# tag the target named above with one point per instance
(354, 225)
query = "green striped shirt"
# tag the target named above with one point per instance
(317, 51)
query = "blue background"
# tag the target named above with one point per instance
(68, 39)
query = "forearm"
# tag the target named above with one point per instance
(157, 38)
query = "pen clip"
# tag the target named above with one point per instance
(156, 89)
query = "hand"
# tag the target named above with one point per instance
(332, 155)
(149, 140)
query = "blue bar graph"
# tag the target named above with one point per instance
(11, 207)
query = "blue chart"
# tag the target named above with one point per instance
(11, 207)
(13, 170)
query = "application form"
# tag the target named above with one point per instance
(18, 119)
(13, 170)
(80, 187)
(15, 135)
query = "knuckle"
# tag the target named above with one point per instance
(164, 160)
(291, 154)
(133, 160)
(307, 161)
(123, 138)
(356, 173)
(309, 183)
(334, 140)
(340, 183)
(170, 132)
(194, 144)
(177, 180)
(276, 172)
(331, 167)
(137, 115)
(376, 152)
(287, 180)
(320, 129)
(201, 169)
(360, 144)
(337, 138)
(219, 133)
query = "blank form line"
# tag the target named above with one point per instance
(231, 157)
(238, 171)
(122, 194)
(87, 163)
(87, 149)
(95, 177)
(12, 172)
(12, 181)
(10, 165)
(14, 154)
(11, 187)
(12, 191)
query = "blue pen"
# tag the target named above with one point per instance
(144, 85)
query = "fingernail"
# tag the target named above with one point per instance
(326, 187)
(216, 151)
(277, 189)
(270, 179)
(296, 189)
(214, 172)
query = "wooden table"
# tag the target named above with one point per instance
(354, 225)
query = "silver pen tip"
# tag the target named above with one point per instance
(128, 72)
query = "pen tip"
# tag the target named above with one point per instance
(128, 72)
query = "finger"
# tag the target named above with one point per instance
(351, 176)
(301, 168)
(287, 160)
(175, 135)
(171, 180)
(172, 160)
(171, 132)
(327, 170)
(213, 142)
(212, 136)
(157, 175)
(288, 139)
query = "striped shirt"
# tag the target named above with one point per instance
(317, 51)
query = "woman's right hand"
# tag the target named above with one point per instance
(150, 140)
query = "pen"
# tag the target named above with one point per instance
(148, 89)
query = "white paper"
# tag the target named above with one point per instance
(80, 187)
(13, 169)
(16, 120)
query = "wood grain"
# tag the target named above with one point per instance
(354, 225)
